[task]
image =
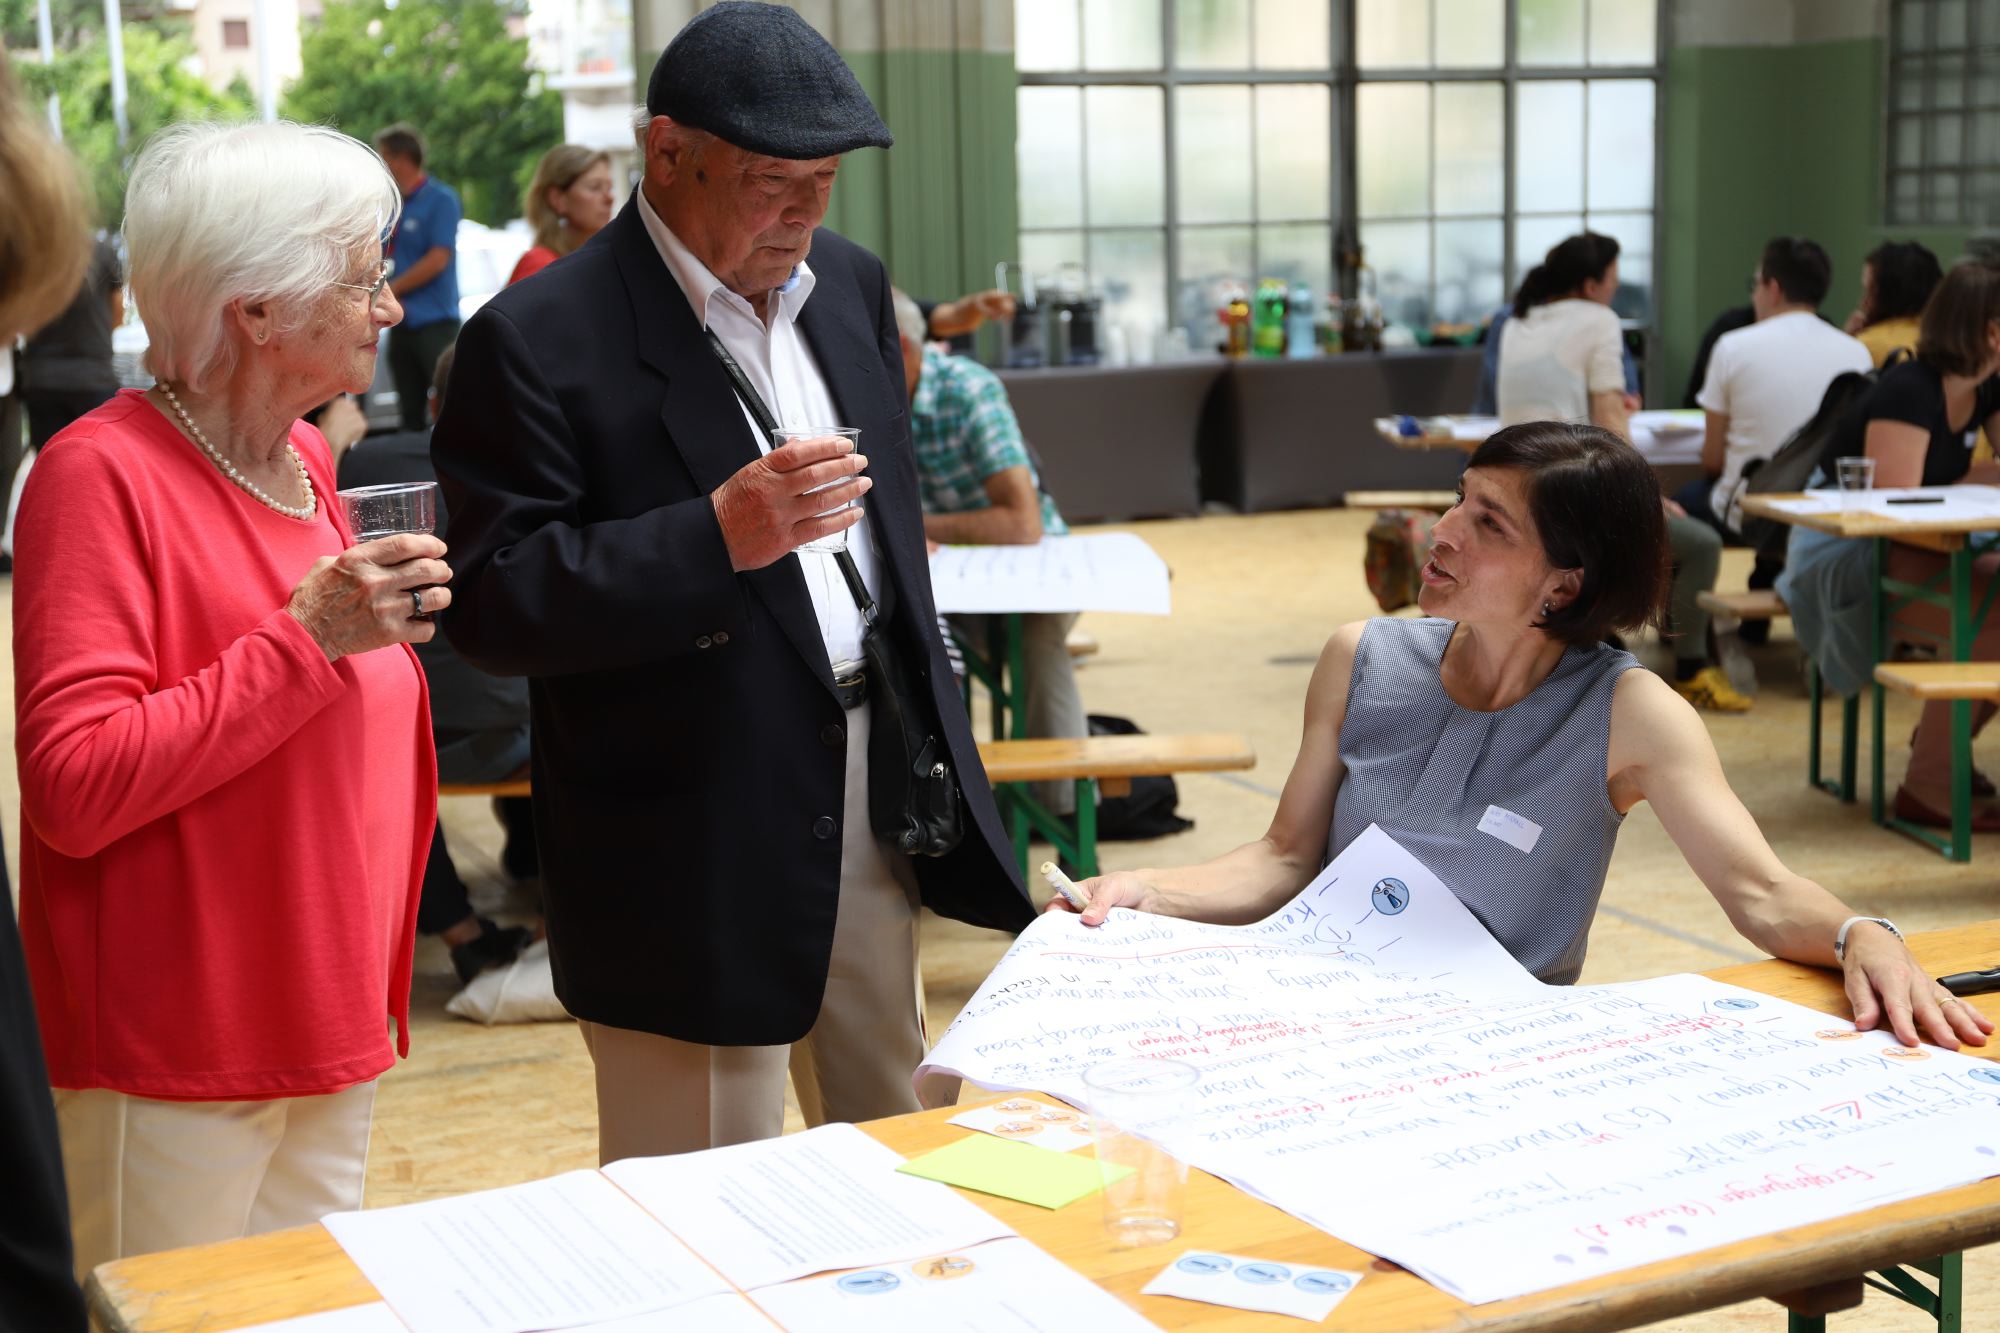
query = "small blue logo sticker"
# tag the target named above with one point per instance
(1985, 1073)
(1733, 1002)
(1205, 1263)
(872, 1283)
(1391, 896)
(1264, 1275)
(1323, 1284)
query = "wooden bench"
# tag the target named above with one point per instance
(1758, 604)
(1399, 499)
(1941, 680)
(1080, 645)
(1096, 764)
(509, 787)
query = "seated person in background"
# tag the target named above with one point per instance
(956, 319)
(480, 723)
(1730, 320)
(1561, 360)
(1919, 423)
(1766, 381)
(1487, 404)
(979, 488)
(1896, 279)
(1509, 699)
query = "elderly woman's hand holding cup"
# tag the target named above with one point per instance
(373, 594)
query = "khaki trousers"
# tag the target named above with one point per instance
(656, 1095)
(149, 1175)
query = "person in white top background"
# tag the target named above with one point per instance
(1766, 381)
(1562, 359)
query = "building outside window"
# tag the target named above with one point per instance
(236, 34)
(1173, 150)
(1944, 113)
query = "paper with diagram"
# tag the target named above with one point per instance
(1375, 1064)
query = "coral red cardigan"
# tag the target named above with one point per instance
(223, 834)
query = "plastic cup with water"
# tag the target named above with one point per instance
(391, 508)
(1132, 1102)
(384, 511)
(1856, 477)
(852, 434)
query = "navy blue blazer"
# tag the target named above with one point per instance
(689, 750)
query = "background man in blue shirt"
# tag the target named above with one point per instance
(424, 249)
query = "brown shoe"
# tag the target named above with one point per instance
(1913, 810)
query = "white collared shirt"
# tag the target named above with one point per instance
(780, 366)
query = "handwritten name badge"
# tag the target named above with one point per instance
(1518, 833)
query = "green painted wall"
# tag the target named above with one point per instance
(1764, 141)
(939, 207)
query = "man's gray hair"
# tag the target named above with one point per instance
(909, 317)
(686, 136)
(217, 213)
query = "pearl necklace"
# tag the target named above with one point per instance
(305, 511)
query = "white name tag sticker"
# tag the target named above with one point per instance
(1518, 833)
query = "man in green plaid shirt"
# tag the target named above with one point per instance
(980, 489)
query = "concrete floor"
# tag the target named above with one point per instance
(1254, 599)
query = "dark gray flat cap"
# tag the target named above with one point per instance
(760, 77)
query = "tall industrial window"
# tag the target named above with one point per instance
(1944, 112)
(1171, 148)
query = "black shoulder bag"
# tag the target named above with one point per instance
(913, 796)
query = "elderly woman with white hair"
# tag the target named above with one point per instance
(227, 780)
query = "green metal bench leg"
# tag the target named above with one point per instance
(1945, 1304)
(1086, 827)
(1850, 737)
(1805, 1323)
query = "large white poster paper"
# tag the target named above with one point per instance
(1375, 1064)
(1105, 571)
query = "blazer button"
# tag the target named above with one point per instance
(831, 735)
(702, 642)
(721, 637)
(824, 827)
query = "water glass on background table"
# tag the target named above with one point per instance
(384, 511)
(852, 434)
(1856, 477)
(1130, 1098)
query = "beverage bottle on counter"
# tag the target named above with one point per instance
(1300, 338)
(1235, 317)
(1267, 319)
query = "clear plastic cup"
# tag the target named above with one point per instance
(1856, 477)
(852, 434)
(384, 511)
(1132, 1101)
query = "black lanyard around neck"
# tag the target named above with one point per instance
(767, 423)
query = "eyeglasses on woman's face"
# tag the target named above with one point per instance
(373, 289)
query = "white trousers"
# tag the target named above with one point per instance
(148, 1175)
(656, 1095)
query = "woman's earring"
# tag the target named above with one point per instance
(1546, 612)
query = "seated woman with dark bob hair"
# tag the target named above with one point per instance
(1508, 698)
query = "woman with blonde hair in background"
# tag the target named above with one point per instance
(44, 248)
(571, 199)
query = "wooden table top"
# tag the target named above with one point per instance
(1941, 535)
(237, 1283)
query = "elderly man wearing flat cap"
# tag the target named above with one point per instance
(720, 907)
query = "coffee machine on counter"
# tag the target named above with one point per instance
(1056, 322)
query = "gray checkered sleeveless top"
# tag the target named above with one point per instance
(1426, 770)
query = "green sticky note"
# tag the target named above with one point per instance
(1014, 1170)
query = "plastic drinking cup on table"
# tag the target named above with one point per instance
(1856, 477)
(852, 434)
(1132, 1102)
